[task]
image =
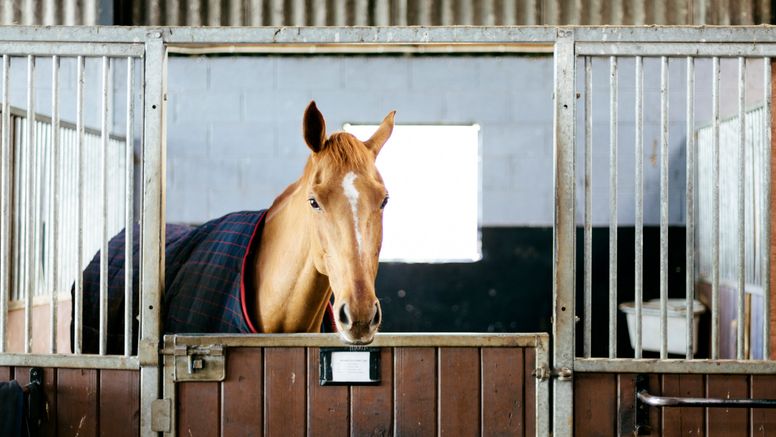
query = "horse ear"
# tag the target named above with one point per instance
(314, 128)
(378, 139)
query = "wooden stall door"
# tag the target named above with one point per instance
(423, 391)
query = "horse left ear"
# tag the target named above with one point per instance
(314, 128)
(378, 139)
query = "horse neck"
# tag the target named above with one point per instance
(291, 294)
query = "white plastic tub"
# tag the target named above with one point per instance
(650, 328)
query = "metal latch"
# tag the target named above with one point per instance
(544, 373)
(200, 363)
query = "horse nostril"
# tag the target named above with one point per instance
(343, 315)
(378, 315)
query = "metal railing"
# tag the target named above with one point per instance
(66, 190)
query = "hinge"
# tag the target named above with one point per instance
(161, 411)
(544, 373)
(199, 363)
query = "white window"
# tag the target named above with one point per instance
(432, 176)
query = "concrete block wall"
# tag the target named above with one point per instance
(234, 122)
(234, 130)
(235, 141)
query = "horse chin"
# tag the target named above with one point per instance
(355, 342)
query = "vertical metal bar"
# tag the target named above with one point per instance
(361, 12)
(7, 12)
(447, 14)
(90, 12)
(104, 201)
(465, 13)
(79, 165)
(664, 207)
(765, 212)
(588, 232)
(715, 210)
(564, 241)
(5, 216)
(28, 12)
(257, 13)
(542, 401)
(152, 222)
(235, 12)
(400, 11)
(382, 13)
(340, 14)
(613, 104)
(214, 13)
(30, 254)
(173, 13)
(638, 272)
(55, 187)
(741, 198)
(690, 207)
(129, 213)
(49, 12)
(508, 12)
(276, 12)
(298, 13)
(193, 13)
(487, 13)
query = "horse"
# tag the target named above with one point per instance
(270, 271)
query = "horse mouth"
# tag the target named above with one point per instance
(355, 341)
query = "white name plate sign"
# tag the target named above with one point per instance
(344, 366)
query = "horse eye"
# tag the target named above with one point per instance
(385, 202)
(314, 203)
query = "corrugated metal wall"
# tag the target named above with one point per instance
(50, 12)
(441, 12)
(382, 12)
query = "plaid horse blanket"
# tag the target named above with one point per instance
(206, 275)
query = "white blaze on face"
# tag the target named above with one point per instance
(351, 193)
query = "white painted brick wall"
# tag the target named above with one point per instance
(234, 123)
(239, 119)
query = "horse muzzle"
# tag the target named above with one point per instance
(358, 327)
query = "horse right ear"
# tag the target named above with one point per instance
(314, 128)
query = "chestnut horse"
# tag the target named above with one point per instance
(322, 236)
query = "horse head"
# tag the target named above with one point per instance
(346, 197)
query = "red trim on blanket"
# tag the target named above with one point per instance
(329, 317)
(246, 314)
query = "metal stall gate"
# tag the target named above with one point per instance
(73, 101)
(679, 378)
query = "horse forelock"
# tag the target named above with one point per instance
(343, 151)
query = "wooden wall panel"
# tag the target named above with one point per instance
(415, 407)
(198, 409)
(683, 421)
(763, 419)
(77, 402)
(595, 404)
(285, 390)
(5, 373)
(371, 407)
(727, 421)
(502, 391)
(119, 403)
(459, 391)
(241, 405)
(327, 407)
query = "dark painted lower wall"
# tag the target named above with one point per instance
(510, 289)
